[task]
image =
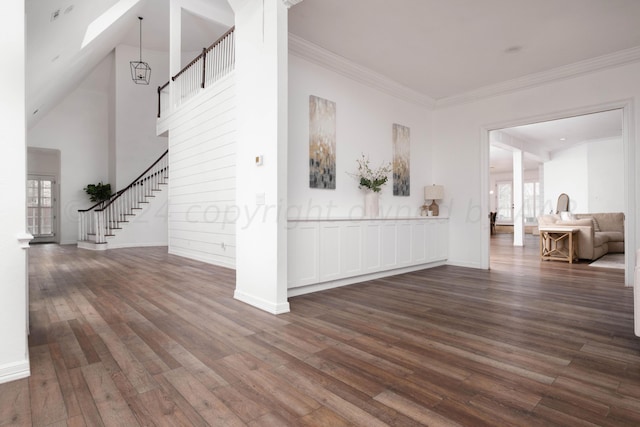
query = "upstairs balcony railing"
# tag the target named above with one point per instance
(212, 64)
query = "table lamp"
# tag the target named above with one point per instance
(433, 193)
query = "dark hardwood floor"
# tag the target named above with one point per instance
(138, 337)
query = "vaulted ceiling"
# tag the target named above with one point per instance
(438, 49)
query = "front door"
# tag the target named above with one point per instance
(41, 204)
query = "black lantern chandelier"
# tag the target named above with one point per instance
(140, 71)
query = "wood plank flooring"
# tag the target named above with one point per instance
(139, 337)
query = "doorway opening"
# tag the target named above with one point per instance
(532, 165)
(43, 167)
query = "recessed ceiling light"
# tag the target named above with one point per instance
(513, 49)
(35, 111)
(55, 15)
(68, 9)
(55, 58)
(563, 139)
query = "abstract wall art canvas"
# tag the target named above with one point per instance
(322, 143)
(401, 160)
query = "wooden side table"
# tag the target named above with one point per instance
(559, 243)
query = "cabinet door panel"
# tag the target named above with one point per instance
(303, 255)
(352, 245)
(403, 244)
(330, 252)
(418, 249)
(372, 247)
(389, 245)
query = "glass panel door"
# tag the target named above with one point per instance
(41, 207)
(532, 202)
(505, 201)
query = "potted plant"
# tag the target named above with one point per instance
(372, 180)
(98, 193)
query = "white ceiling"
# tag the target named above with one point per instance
(443, 48)
(557, 135)
(438, 48)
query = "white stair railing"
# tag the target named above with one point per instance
(101, 220)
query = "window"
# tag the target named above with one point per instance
(532, 201)
(505, 201)
(40, 206)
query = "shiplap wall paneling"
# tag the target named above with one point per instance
(202, 185)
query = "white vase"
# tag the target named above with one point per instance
(372, 204)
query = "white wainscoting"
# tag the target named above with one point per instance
(323, 254)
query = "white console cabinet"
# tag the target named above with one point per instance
(327, 253)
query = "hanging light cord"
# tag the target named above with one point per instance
(140, 18)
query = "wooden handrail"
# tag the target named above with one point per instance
(222, 37)
(135, 181)
(160, 89)
(119, 193)
(202, 56)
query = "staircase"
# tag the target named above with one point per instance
(99, 225)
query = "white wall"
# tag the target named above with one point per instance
(606, 175)
(14, 359)
(136, 144)
(458, 156)
(364, 120)
(202, 182)
(91, 136)
(592, 174)
(568, 172)
(78, 127)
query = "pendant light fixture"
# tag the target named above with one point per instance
(140, 71)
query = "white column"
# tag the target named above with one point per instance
(518, 200)
(261, 191)
(14, 359)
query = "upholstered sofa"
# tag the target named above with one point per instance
(599, 233)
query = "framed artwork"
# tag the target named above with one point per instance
(401, 160)
(322, 143)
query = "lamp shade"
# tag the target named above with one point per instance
(434, 192)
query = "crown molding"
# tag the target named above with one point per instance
(582, 67)
(290, 3)
(320, 56)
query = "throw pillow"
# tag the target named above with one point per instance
(567, 216)
(586, 222)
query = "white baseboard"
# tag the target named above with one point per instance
(206, 259)
(135, 245)
(465, 264)
(14, 371)
(262, 304)
(317, 287)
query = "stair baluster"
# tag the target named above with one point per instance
(102, 220)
